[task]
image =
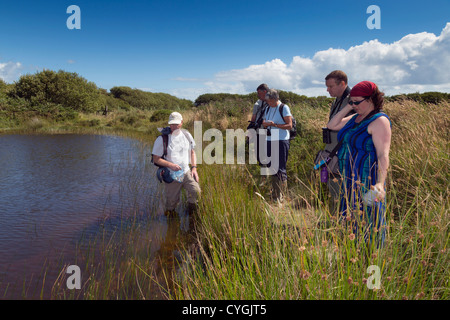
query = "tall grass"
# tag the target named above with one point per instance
(254, 250)
(245, 247)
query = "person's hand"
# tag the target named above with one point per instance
(174, 167)
(268, 124)
(381, 192)
(349, 108)
(194, 174)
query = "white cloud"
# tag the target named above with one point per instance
(416, 63)
(10, 71)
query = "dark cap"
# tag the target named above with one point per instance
(163, 174)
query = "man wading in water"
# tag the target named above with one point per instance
(173, 154)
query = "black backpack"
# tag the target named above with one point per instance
(165, 136)
(293, 131)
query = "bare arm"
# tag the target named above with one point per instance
(340, 119)
(164, 163)
(194, 164)
(255, 111)
(380, 130)
(285, 126)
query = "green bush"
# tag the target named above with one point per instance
(21, 111)
(160, 115)
(59, 88)
(53, 111)
(108, 100)
(426, 97)
(90, 123)
(209, 98)
(148, 100)
(434, 97)
(129, 119)
(3, 87)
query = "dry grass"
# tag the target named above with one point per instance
(252, 249)
(248, 248)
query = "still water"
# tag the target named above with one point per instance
(56, 189)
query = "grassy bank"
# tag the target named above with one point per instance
(247, 248)
(253, 250)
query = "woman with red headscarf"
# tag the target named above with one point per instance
(364, 160)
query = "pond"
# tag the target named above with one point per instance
(60, 188)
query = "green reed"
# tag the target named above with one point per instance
(252, 249)
(121, 259)
(248, 254)
(248, 248)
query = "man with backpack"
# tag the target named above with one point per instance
(172, 151)
(278, 123)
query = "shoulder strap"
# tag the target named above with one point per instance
(281, 111)
(188, 136)
(370, 115)
(263, 106)
(261, 112)
(165, 138)
(335, 149)
(338, 103)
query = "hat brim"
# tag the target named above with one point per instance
(175, 122)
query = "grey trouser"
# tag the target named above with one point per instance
(334, 187)
(172, 191)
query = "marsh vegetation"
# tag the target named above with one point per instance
(245, 247)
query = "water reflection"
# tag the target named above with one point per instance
(61, 193)
(179, 240)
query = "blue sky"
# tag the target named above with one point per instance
(187, 48)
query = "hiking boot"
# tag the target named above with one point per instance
(191, 208)
(279, 189)
(263, 181)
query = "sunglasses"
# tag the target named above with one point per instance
(357, 102)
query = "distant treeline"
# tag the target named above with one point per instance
(426, 97)
(285, 96)
(62, 95)
(293, 98)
